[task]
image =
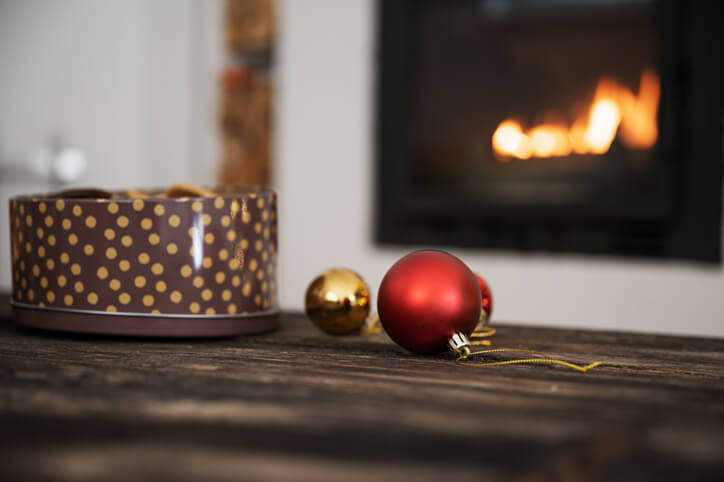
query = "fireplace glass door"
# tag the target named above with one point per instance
(587, 126)
(536, 102)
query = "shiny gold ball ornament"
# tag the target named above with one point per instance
(338, 301)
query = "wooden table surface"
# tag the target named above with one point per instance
(299, 405)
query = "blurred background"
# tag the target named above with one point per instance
(570, 152)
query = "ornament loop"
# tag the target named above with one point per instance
(482, 332)
(545, 359)
(464, 353)
(372, 326)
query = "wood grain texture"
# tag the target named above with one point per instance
(300, 405)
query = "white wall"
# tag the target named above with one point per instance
(324, 176)
(131, 83)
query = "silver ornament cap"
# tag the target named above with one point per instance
(459, 344)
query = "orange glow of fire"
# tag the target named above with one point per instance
(614, 110)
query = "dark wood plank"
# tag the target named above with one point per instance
(300, 405)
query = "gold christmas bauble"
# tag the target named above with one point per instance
(338, 301)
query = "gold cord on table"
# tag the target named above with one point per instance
(484, 332)
(478, 338)
(487, 332)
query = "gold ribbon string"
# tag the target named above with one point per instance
(372, 326)
(487, 332)
(484, 332)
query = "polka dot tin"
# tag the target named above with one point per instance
(154, 266)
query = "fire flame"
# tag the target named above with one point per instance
(614, 110)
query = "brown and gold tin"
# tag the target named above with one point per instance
(150, 266)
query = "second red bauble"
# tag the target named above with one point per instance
(425, 298)
(486, 296)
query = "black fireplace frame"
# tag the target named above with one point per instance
(683, 224)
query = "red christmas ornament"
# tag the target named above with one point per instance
(486, 296)
(426, 298)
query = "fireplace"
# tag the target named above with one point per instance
(561, 126)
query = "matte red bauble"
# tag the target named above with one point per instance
(427, 297)
(486, 296)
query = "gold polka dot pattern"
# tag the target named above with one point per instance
(162, 256)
